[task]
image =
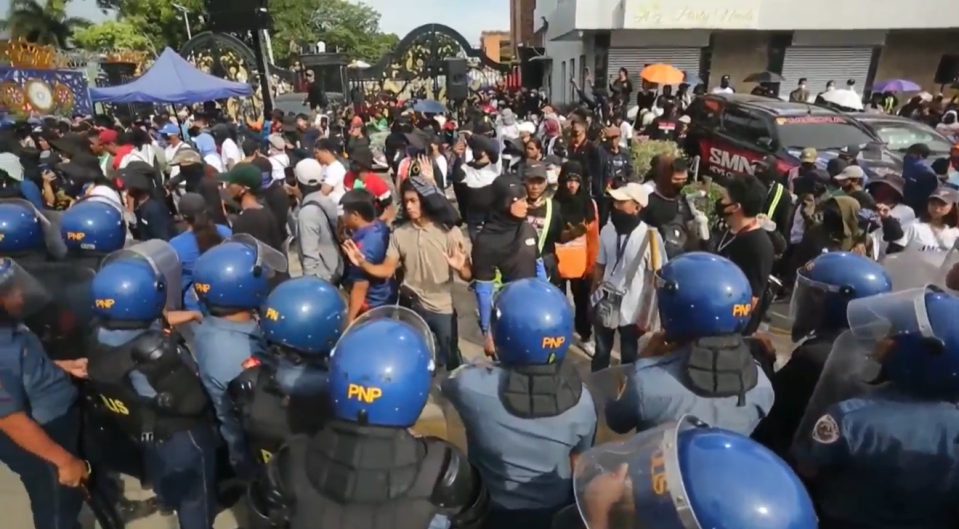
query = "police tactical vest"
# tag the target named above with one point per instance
(370, 478)
(269, 417)
(721, 366)
(113, 396)
(532, 392)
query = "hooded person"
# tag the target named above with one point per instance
(473, 181)
(950, 125)
(839, 230)
(505, 249)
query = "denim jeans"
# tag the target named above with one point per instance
(628, 345)
(182, 470)
(445, 329)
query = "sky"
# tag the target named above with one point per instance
(469, 17)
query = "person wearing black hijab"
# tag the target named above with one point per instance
(505, 249)
(578, 211)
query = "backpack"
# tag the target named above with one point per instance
(675, 233)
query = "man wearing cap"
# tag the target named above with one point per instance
(316, 222)
(921, 181)
(361, 176)
(620, 300)
(11, 172)
(616, 166)
(807, 165)
(543, 214)
(243, 185)
(279, 160)
(153, 219)
(171, 135)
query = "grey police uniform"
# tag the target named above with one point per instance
(522, 424)
(886, 460)
(714, 379)
(223, 349)
(31, 383)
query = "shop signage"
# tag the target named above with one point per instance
(705, 14)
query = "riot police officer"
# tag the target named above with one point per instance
(365, 469)
(231, 281)
(146, 384)
(26, 234)
(685, 474)
(39, 422)
(527, 415)
(824, 287)
(286, 392)
(91, 229)
(699, 364)
(878, 438)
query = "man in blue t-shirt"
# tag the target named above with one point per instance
(369, 241)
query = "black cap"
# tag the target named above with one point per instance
(534, 170)
(191, 205)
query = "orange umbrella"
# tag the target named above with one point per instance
(662, 74)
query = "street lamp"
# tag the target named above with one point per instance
(186, 19)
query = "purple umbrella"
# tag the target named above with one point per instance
(896, 85)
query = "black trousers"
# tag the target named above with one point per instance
(579, 288)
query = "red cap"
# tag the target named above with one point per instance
(108, 136)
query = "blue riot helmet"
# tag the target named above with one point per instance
(914, 337)
(93, 225)
(687, 475)
(129, 290)
(306, 315)
(532, 323)
(701, 295)
(825, 286)
(236, 274)
(20, 228)
(381, 369)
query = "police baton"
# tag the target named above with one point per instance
(103, 510)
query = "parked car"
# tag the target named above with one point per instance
(898, 133)
(730, 132)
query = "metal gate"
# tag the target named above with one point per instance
(416, 67)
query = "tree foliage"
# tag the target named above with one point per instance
(156, 20)
(44, 23)
(351, 28)
(113, 35)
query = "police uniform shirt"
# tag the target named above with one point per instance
(29, 381)
(655, 394)
(222, 347)
(886, 460)
(524, 462)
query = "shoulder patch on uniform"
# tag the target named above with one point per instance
(250, 363)
(826, 430)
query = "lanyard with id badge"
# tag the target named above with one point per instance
(608, 298)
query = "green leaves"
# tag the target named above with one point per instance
(351, 28)
(44, 23)
(112, 35)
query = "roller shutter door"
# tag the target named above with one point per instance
(635, 59)
(821, 65)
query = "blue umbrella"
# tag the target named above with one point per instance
(896, 85)
(429, 106)
(691, 78)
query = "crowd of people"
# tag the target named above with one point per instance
(145, 266)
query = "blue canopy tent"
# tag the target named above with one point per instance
(171, 79)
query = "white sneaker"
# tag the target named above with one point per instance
(588, 348)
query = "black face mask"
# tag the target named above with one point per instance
(721, 208)
(624, 222)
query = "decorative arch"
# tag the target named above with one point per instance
(228, 57)
(417, 64)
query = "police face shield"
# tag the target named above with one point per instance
(269, 260)
(22, 296)
(806, 304)
(911, 269)
(636, 483)
(403, 314)
(853, 367)
(164, 262)
(50, 223)
(70, 287)
(608, 388)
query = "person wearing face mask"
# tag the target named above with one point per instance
(664, 127)
(724, 86)
(476, 178)
(617, 169)
(801, 93)
(830, 86)
(505, 249)
(281, 389)
(543, 214)
(745, 242)
(668, 210)
(231, 281)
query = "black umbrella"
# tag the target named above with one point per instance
(764, 77)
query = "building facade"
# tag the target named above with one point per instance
(497, 45)
(820, 40)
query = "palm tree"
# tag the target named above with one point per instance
(44, 23)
